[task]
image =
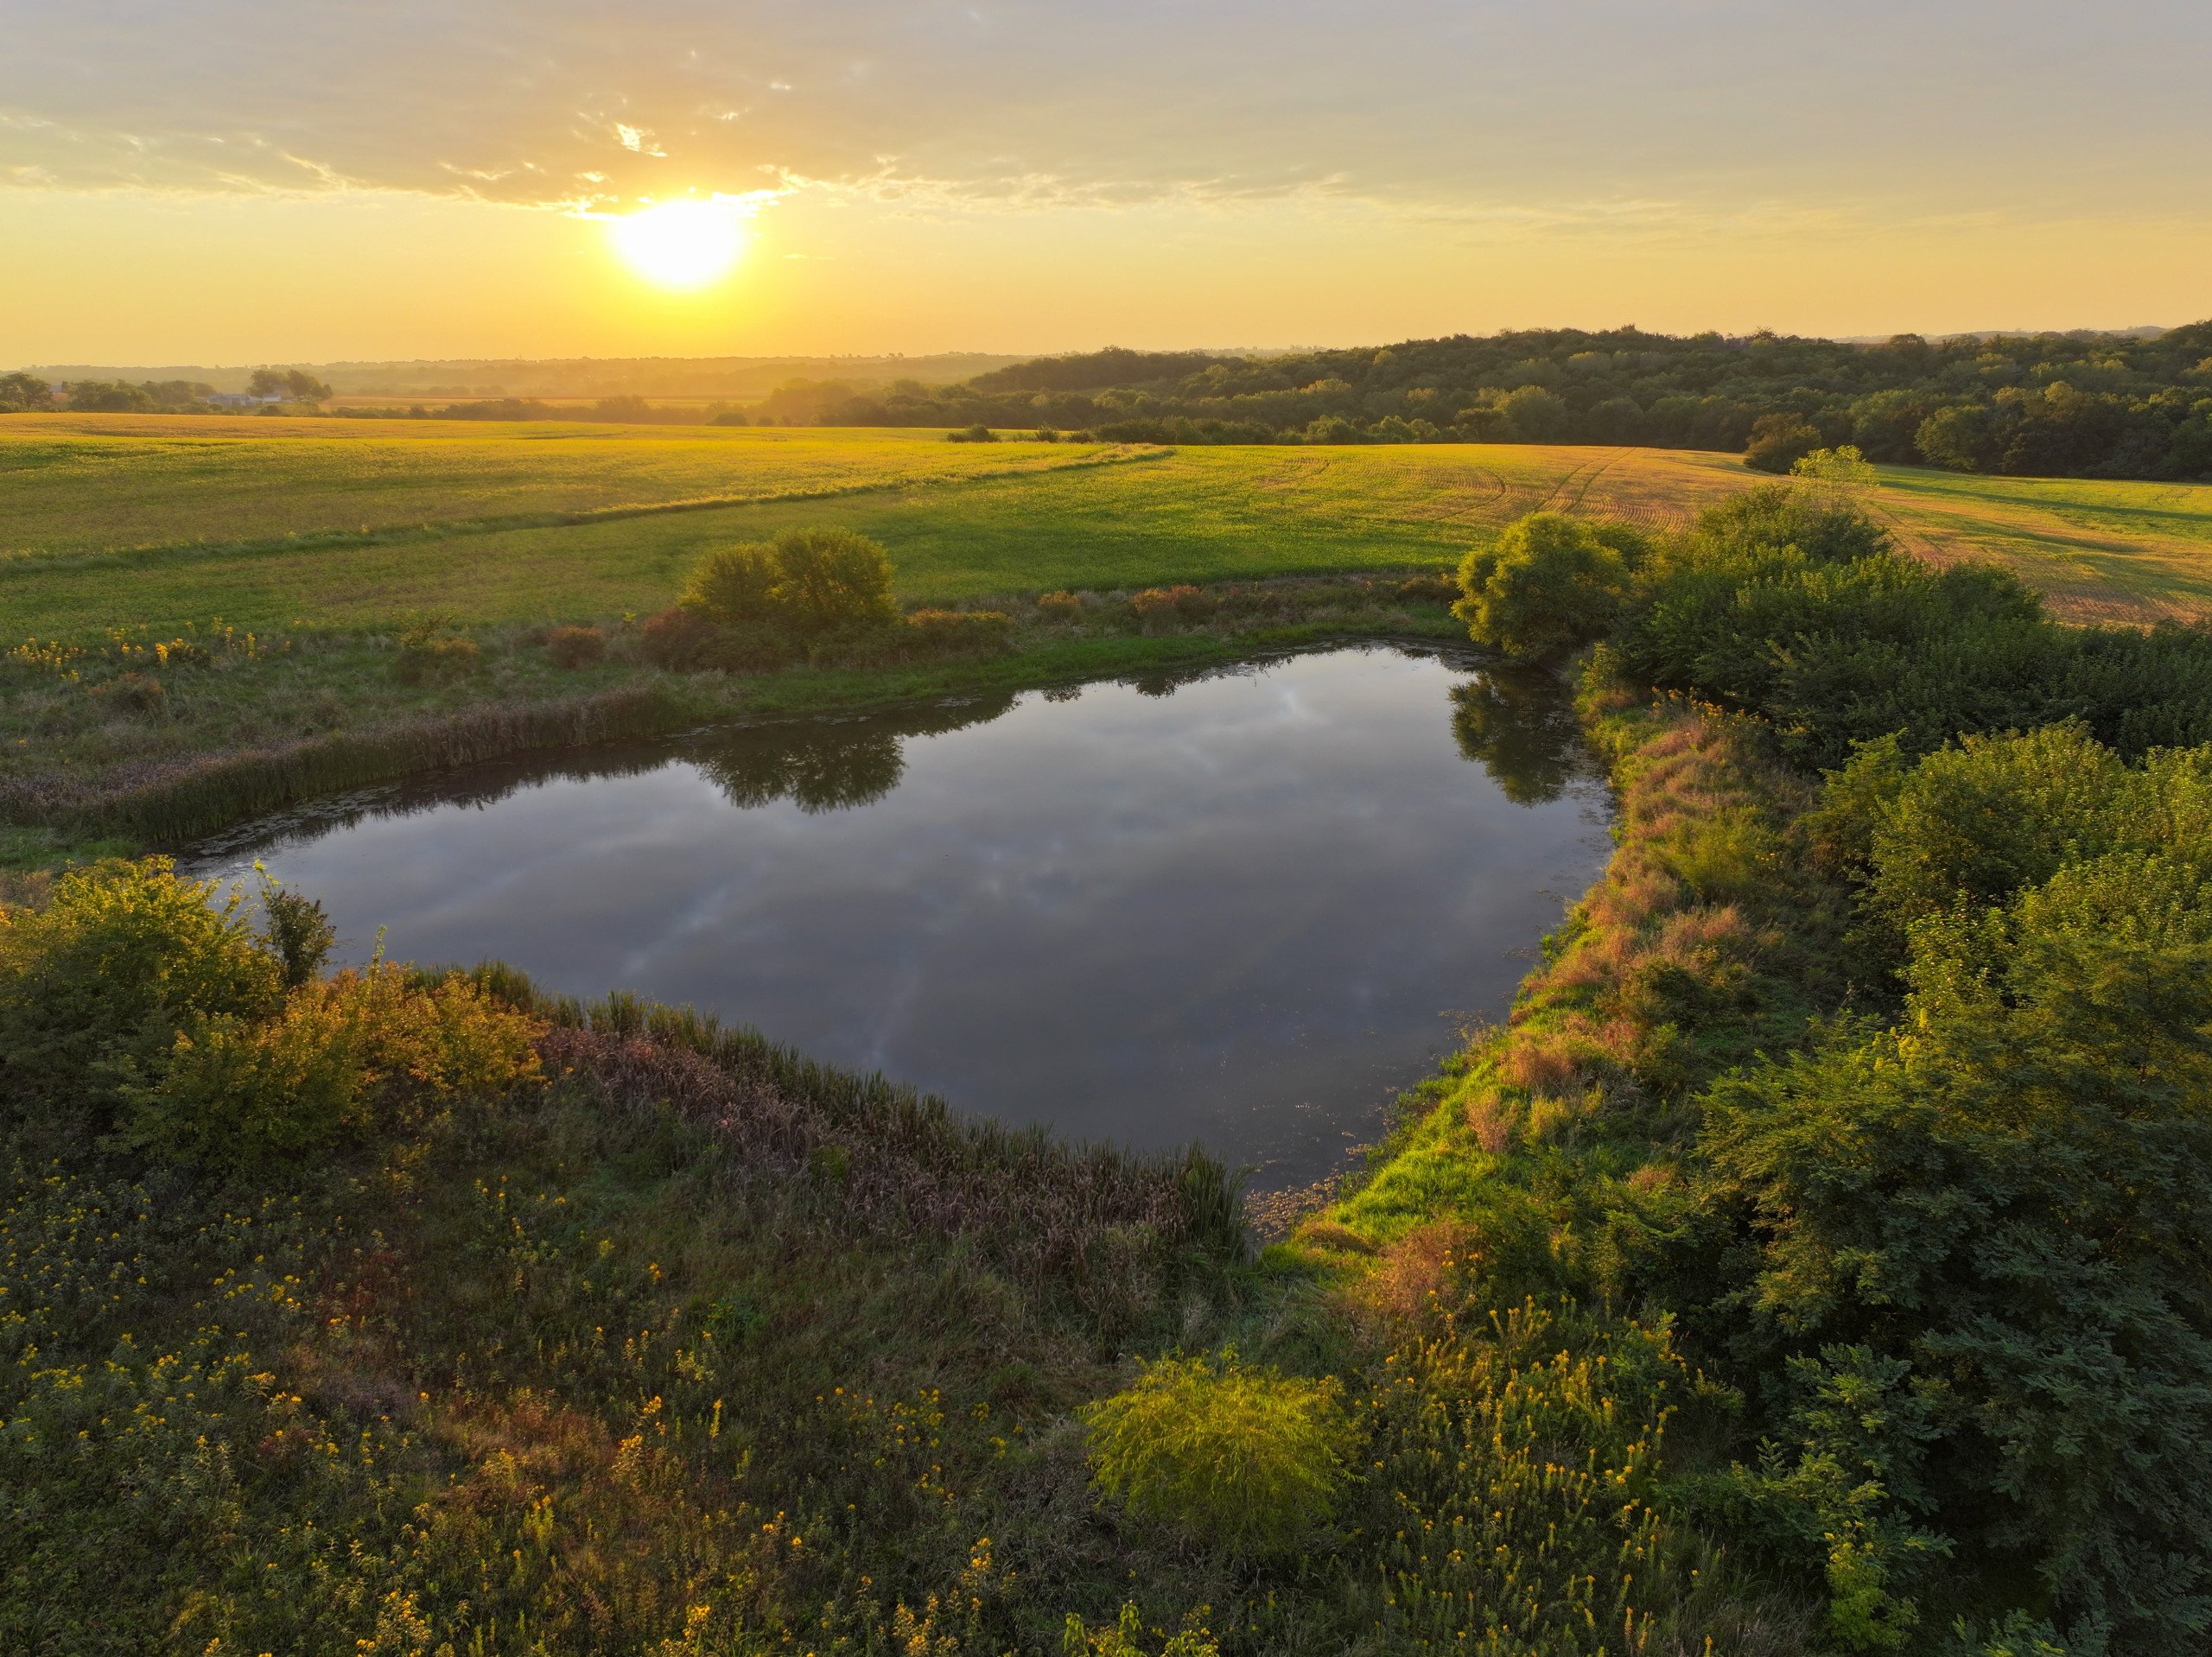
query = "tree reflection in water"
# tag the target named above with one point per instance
(833, 764)
(1516, 725)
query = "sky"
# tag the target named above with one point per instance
(251, 180)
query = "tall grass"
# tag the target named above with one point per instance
(176, 799)
(1110, 1224)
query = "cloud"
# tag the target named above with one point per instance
(1573, 109)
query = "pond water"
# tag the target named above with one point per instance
(1246, 908)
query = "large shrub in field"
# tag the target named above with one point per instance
(120, 957)
(1243, 1457)
(733, 586)
(1548, 584)
(831, 578)
(800, 586)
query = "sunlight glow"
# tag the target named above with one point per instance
(680, 245)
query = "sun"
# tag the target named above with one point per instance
(679, 244)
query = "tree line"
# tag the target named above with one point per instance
(2047, 404)
(26, 393)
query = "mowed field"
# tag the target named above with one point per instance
(122, 520)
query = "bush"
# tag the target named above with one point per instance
(831, 578)
(100, 978)
(1061, 606)
(345, 1058)
(1245, 1458)
(680, 640)
(1182, 600)
(733, 586)
(1549, 585)
(976, 434)
(429, 655)
(575, 647)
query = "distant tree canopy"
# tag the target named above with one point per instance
(21, 392)
(293, 385)
(2064, 404)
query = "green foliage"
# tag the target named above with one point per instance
(831, 578)
(1848, 1490)
(1545, 587)
(1125, 1637)
(1797, 609)
(120, 958)
(1243, 1458)
(2002, 1192)
(805, 582)
(732, 586)
(1517, 1490)
(298, 928)
(1780, 441)
(20, 392)
(1841, 468)
(361, 1053)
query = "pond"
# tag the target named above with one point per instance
(1246, 908)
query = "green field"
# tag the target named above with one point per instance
(311, 524)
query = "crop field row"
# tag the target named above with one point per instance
(118, 520)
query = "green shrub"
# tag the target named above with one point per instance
(831, 578)
(1245, 1458)
(1549, 585)
(1126, 1638)
(346, 1057)
(120, 956)
(298, 928)
(733, 586)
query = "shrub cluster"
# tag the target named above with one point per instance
(1925, 1033)
(821, 595)
(135, 1002)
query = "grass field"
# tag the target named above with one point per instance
(310, 525)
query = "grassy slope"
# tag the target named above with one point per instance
(463, 519)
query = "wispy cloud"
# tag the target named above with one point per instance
(1493, 112)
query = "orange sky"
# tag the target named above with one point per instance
(248, 181)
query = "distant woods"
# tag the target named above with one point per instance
(2078, 405)
(2049, 404)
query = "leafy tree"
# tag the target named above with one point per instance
(1534, 415)
(294, 385)
(1780, 441)
(20, 392)
(109, 396)
(1548, 584)
(1961, 439)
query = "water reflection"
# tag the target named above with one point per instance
(1246, 913)
(835, 766)
(1516, 723)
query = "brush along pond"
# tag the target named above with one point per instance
(1246, 908)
